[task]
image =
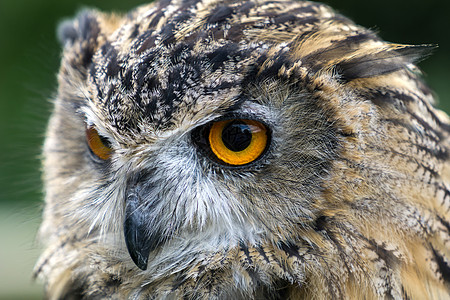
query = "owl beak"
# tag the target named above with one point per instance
(139, 237)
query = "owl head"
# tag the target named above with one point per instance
(238, 147)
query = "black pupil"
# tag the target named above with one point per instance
(105, 141)
(236, 136)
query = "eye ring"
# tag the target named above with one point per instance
(237, 142)
(98, 144)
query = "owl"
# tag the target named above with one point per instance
(228, 149)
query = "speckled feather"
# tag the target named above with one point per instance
(350, 201)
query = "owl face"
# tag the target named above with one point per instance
(182, 137)
(194, 179)
(249, 140)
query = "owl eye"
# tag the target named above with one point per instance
(99, 145)
(237, 142)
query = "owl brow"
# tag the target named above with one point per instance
(232, 109)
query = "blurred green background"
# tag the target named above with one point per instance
(29, 55)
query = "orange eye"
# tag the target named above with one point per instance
(98, 144)
(238, 142)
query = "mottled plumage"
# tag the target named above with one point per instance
(349, 199)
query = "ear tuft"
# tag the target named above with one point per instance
(84, 27)
(66, 32)
(80, 38)
(416, 53)
(383, 62)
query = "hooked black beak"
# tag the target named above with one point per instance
(140, 238)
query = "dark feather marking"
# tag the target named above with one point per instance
(383, 97)
(410, 128)
(436, 136)
(290, 249)
(179, 280)
(155, 19)
(112, 68)
(135, 32)
(310, 8)
(441, 154)
(211, 284)
(444, 222)
(443, 126)
(320, 223)
(244, 249)
(405, 294)
(200, 270)
(128, 80)
(411, 159)
(388, 256)
(223, 54)
(93, 72)
(425, 125)
(167, 34)
(263, 253)
(89, 30)
(444, 268)
(182, 17)
(113, 281)
(287, 18)
(272, 71)
(179, 51)
(220, 14)
(145, 41)
(245, 7)
(251, 77)
(41, 266)
(304, 21)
